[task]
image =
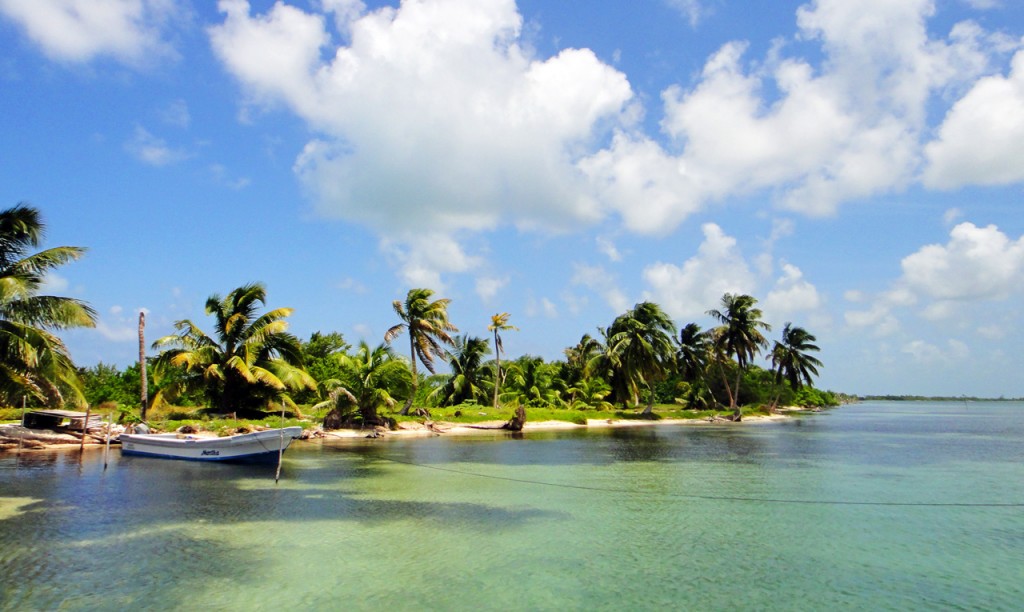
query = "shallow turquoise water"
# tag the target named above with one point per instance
(872, 506)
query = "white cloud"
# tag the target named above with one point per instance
(692, 10)
(606, 246)
(926, 353)
(792, 294)
(221, 176)
(488, 287)
(818, 136)
(976, 264)
(154, 151)
(983, 5)
(698, 284)
(433, 116)
(952, 215)
(54, 284)
(543, 307)
(177, 114)
(82, 30)
(878, 319)
(598, 280)
(981, 139)
(423, 258)
(992, 332)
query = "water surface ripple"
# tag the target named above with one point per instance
(882, 506)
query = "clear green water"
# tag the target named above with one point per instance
(645, 518)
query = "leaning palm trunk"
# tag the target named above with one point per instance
(415, 378)
(728, 389)
(649, 409)
(737, 412)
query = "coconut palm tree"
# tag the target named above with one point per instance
(640, 349)
(466, 383)
(499, 323)
(34, 362)
(791, 360)
(693, 354)
(428, 327)
(738, 337)
(531, 381)
(249, 362)
(370, 379)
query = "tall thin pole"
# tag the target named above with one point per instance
(280, 446)
(144, 397)
(85, 429)
(21, 438)
(106, 451)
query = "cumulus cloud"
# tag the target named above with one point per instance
(817, 135)
(981, 140)
(690, 289)
(81, 30)
(430, 116)
(423, 258)
(434, 115)
(792, 294)
(978, 263)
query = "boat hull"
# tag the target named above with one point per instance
(257, 447)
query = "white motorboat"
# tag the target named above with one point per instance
(256, 447)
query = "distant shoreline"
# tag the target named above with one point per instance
(921, 398)
(47, 441)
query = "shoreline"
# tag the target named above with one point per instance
(47, 440)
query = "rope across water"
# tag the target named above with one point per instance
(736, 498)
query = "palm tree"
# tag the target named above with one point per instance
(428, 327)
(251, 361)
(640, 349)
(369, 380)
(693, 353)
(34, 362)
(739, 337)
(791, 361)
(531, 381)
(499, 323)
(465, 384)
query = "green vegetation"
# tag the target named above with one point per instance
(34, 363)
(428, 327)
(641, 369)
(250, 363)
(250, 366)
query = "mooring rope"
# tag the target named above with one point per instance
(736, 498)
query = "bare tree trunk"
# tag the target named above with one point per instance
(518, 420)
(415, 379)
(737, 412)
(497, 373)
(144, 395)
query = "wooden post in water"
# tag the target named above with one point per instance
(106, 451)
(280, 446)
(85, 429)
(21, 438)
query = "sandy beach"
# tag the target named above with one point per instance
(33, 439)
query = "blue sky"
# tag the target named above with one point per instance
(855, 165)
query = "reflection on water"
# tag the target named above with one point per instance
(646, 517)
